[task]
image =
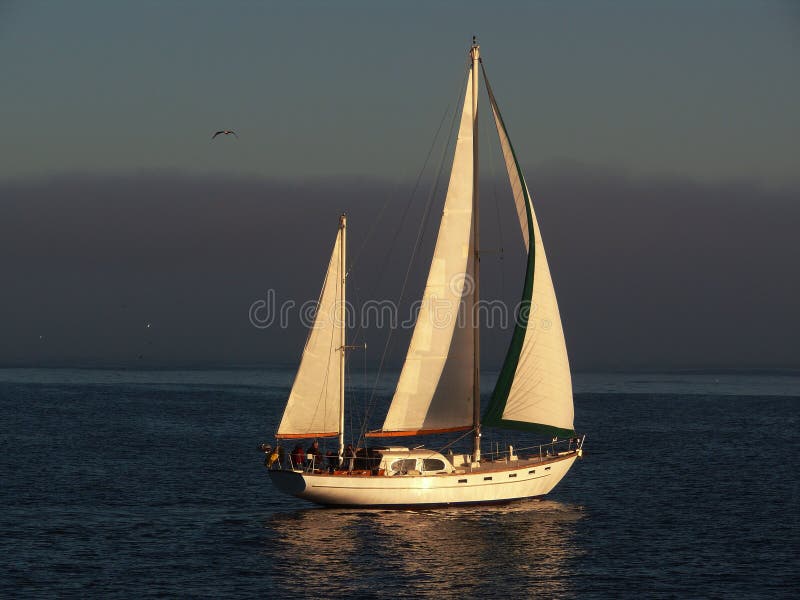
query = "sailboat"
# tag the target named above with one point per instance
(438, 390)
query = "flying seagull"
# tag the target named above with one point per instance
(225, 132)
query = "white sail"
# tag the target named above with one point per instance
(434, 392)
(534, 390)
(313, 409)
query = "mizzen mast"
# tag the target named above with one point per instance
(474, 54)
(343, 316)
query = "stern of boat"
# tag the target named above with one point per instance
(287, 481)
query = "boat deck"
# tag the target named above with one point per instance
(489, 466)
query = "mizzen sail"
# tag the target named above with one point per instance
(313, 409)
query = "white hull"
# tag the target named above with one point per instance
(486, 484)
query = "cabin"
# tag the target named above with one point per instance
(419, 461)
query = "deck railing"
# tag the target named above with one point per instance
(363, 462)
(510, 454)
(312, 463)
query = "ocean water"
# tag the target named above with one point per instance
(149, 484)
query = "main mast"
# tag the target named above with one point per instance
(476, 381)
(343, 317)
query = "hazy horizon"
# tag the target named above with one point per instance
(661, 143)
(650, 273)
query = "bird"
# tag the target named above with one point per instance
(225, 132)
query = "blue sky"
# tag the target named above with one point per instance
(702, 90)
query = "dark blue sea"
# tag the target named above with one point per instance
(148, 483)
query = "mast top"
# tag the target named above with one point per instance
(475, 49)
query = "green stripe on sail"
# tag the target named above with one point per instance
(497, 404)
(493, 416)
(537, 427)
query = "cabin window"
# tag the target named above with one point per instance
(512, 474)
(432, 464)
(404, 465)
(462, 481)
(487, 478)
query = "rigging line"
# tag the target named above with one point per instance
(323, 394)
(431, 452)
(350, 406)
(437, 180)
(308, 341)
(500, 151)
(364, 388)
(402, 220)
(348, 388)
(408, 204)
(420, 231)
(426, 214)
(388, 200)
(492, 173)
(455, 441)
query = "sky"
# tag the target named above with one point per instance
(661, 142)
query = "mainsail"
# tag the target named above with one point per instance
(314, 409)
(434, 392)
(534, 389)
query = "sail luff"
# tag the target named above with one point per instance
(534, 388)
(343, 328)
(476, 264)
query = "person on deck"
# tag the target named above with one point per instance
(349, 457)
(314, 454)
(332, 459)
(298, 457)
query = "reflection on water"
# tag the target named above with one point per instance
(526, 547)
